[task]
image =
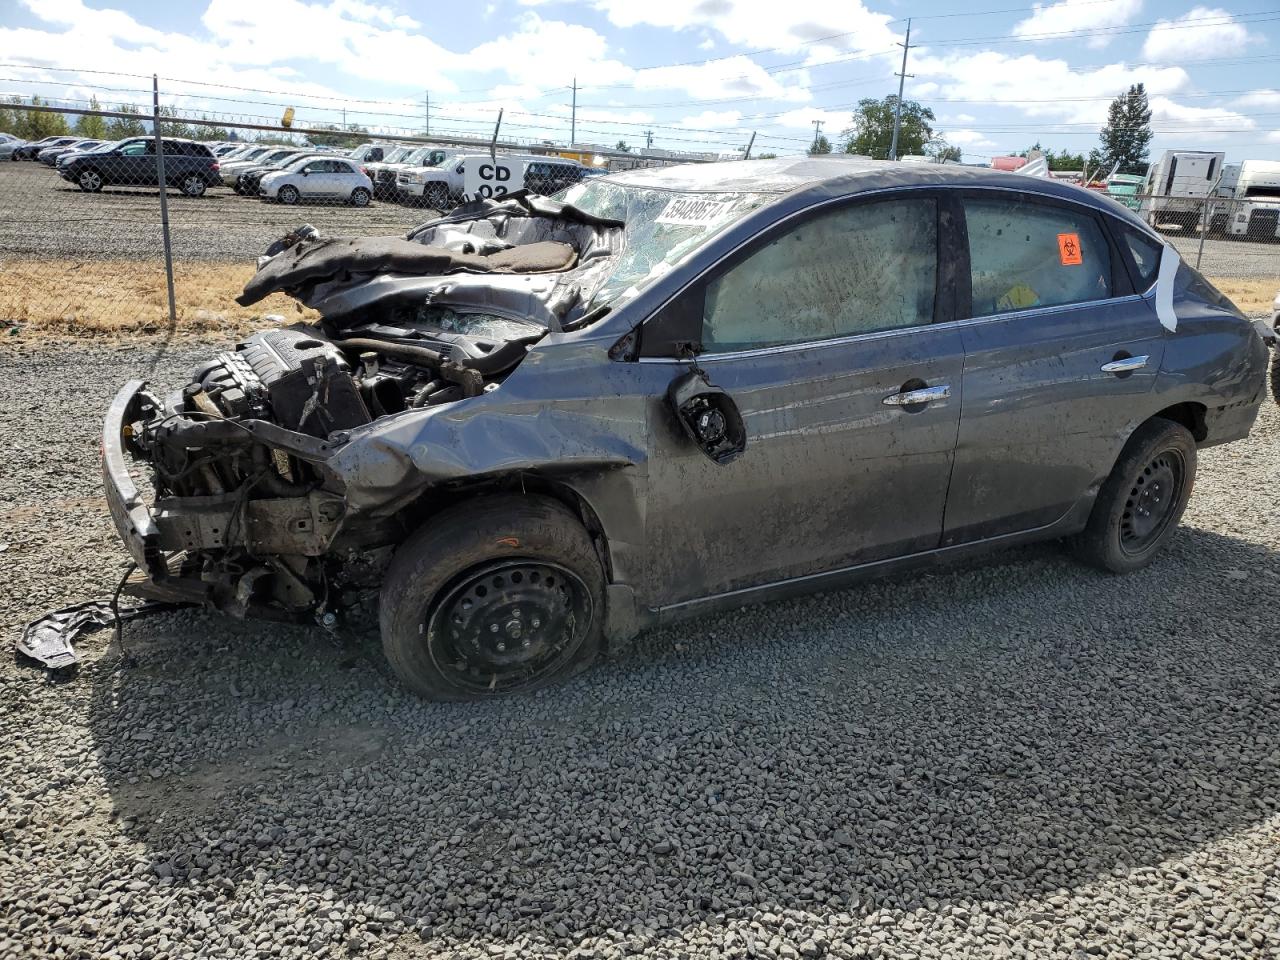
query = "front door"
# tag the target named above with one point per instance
(1057, 347)
(822, 334)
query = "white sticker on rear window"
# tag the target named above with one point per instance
(692, 211)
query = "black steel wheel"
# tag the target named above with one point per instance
(1139, 505)
(493, 596)
(1152, 502)
(506, 623)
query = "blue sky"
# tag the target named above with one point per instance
(700, 74)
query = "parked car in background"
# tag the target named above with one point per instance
(249, 182)
(333, 179)
(223, 149)
(441, 186)
(28, 151)
(273, 160)
(188, 165)
(383, 173)
(718, 384)
(230, 169)
(50, 155)
(9, 145)
(370, 152)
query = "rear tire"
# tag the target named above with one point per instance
(360, 197)
(90, 181)
(494, 596)
(1140, 504)
(193, 185)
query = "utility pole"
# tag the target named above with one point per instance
(648, 139)
(573, 115)
(746, 154)
(902, 79)
(344, 118)
(426, 113)
(164, 199)
(817, 132)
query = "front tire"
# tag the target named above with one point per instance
(360, 197)
(288, 194)
(494, 596)
(1141, 503)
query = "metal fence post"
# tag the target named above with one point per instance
(164, 198)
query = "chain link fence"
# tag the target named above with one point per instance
(84, 224)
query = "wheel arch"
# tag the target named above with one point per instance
(1189, 414)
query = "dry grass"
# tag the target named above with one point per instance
(1254, 297)
(57, 299)
(123, 299)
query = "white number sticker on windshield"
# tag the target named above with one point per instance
(692, 212)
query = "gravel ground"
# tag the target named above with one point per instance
(41, 214)
(1022, 758)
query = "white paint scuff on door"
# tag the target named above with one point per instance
(1169, 263)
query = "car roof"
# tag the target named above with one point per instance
(832, 176)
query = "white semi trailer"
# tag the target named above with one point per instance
(1250, 191)
(1178, 185)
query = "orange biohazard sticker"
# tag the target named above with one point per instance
(1069, 249)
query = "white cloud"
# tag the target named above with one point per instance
(968, 139)
(714, 119)
(1199, 34)
(833, 121)
(718, 79)
(847, 26)
(1074, 15)
(548, 53)
(1260, 98)
(1200, 123)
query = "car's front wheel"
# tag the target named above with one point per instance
(493, 596)
(288, 194)
(1141, 502)
(90, 181)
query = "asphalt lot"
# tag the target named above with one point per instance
(1021, 758)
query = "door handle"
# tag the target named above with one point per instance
(1126, 365)
(923, 395)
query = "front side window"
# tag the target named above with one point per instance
(135, 149)
(859, 269)
(1025, 254)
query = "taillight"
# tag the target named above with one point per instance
(216, 167)
(365, 171)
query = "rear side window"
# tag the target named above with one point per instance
(859, 269)
(1024, 254)
(1144, 252)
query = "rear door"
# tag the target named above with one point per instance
(1057, 348)
(819, 332)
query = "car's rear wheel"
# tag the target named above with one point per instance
(437, 196)
(90, 181)
(1142, 501)
(494, 596)
(360, 197)
(193, 185)
(288, 194)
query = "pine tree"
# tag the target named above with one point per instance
(91, 126)
(1127, 135)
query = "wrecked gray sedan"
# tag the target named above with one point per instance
(540, 426)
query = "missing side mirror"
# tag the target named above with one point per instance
(708, 416)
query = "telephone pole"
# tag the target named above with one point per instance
(648, 139)
(902, 79)
(426, 113)
(573, 115)
(817, 132)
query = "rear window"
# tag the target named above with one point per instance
(1145, 253)
(1024, 254)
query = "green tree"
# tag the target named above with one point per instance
(1126, 136)
(872, 130)
(820, 145)
(128, 126)
(90, 126)
(174, 127)
(622, 145)
(351, 136)
(1056, 159)
(202, 131)
(943, 152)
(767, 156)
(37, 124)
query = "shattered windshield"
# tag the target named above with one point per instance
(662, 228)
